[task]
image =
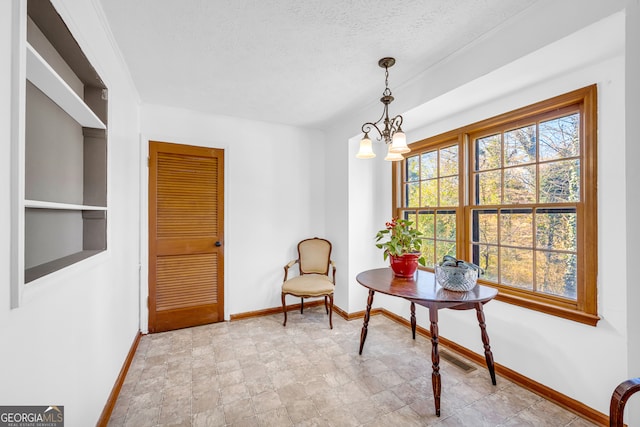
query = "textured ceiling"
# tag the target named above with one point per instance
(294, 62)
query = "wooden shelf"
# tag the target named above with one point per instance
(45, 78)
(33, 273)
(37, 204)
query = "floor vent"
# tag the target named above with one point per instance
(456, 361)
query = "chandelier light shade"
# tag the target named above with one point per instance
(399, 143)
(366, 150)
(392, 133)
(393, 156)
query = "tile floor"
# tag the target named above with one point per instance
(254, 372)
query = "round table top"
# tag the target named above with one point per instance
(423, 287)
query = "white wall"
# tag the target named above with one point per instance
(582, 362)
(67, 341)
(274, 196)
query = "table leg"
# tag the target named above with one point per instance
(363, 333)
(413, 319)
(435, 358)
(485, 340)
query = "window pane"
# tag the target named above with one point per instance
(520, 146)
(429, 166)
(429, 252)
(487, 152)
(556, 273)
(429, 193)
(557, 229)
(449, 195)
(413, 165)
(449, 161)
(487, 258)
(516, 227)
(485, 226)
(410, 216)
(488, 188)
(446, 225)
(444, 248)
(516, 267)
(426, 223)
(412, 195)
(560, 181)
(520, 185)
(560, 138)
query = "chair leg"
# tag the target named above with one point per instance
(326, 307)
(284, 310)
(330, 311)
(301, 305)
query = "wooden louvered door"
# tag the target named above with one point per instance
(185, 236)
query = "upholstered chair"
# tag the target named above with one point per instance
(314, 280)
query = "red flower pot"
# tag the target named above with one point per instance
(405, 265)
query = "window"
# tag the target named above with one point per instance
(515, 194)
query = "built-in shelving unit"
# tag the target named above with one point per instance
(65, 148)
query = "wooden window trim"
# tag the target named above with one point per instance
(584, 309)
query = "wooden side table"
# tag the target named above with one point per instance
(424, 290)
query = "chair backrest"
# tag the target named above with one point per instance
(314, 255)
(619, 398)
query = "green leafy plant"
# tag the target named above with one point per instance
(403, 238)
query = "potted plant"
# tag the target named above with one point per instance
(402, 247)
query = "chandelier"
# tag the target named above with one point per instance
(392, 134)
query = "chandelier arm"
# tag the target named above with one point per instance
(396, 123)
(369, 126)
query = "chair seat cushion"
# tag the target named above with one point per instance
(308, 285)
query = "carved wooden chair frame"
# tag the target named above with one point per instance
(328, 296)
(621, 394)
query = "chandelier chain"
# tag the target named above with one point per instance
(387, 91)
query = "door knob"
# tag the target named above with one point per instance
(218, 243)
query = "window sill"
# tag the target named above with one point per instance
(569, 313)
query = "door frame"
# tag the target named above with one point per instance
(143, 267)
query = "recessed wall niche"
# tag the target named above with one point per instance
(65, 148)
